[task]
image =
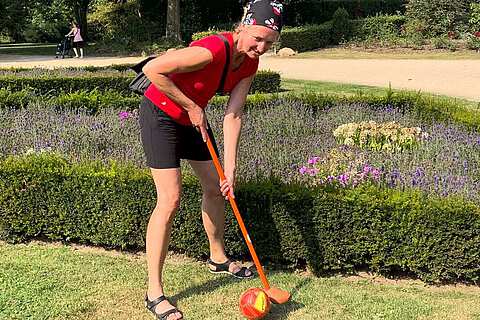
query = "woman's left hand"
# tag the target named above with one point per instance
(226, 186)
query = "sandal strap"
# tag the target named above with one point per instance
(243, 273)
(220, 266)
(152, 304)
(160, 316)
(164, 316)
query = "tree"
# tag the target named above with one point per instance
(80, 9)
(14, 18)
(173, 20)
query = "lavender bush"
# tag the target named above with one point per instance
(276, 140)
(81, 137)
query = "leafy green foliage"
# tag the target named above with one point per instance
(50, 21)
(55, 84)
(341, 26)
(307, 37)
(439, 16)
(301, 12)
(14, 17)
(388, 231)
(474, 20)
(121, 23)
(378, 29)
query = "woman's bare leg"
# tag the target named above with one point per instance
(168, 183)
(213, 211)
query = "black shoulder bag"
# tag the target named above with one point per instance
(141, 83)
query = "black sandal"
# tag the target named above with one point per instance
(223, 268)
(151, 305)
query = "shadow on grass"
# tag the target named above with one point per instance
(200, 289)
(281, 311)
(276, 312)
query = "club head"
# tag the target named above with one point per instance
(278, 296)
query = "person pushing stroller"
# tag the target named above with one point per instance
(78, 42)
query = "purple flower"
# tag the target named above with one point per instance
(367, 169)
(376, 173)
(303, 170)
(123, 115)
(419, 172)
(343, 178)
(314, 160)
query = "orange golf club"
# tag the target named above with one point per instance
(276, 295)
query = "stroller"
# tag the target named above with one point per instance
(64, 47)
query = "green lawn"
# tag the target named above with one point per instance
(334, 88)
(28, 49)
(52, 281)
(39, 49)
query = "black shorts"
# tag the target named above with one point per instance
(165, 141)
(78, 44)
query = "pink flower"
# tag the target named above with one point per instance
(314, 160)
(303, 170)
(477, 34)
(367, 169)
(123, 115)
(376, 174)
(343, 178)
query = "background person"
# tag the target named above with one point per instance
(78, 43)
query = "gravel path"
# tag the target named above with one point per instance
(457, 78)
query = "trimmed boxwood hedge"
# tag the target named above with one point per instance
(330, 229)
(54, 85)
(265, 81)
(307, 37)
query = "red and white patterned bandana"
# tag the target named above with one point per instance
(267, 13)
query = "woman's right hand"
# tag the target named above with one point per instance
(199, 121)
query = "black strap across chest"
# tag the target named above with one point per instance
(220, 89)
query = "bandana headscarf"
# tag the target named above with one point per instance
(267, 13)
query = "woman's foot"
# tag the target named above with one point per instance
(229, 267)
(162, 308)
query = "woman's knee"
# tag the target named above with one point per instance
(168, 205)
(212, 192)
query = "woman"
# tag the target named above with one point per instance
(174, 127)
(78, 42)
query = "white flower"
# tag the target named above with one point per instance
(349, 142)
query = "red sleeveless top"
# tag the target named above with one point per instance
(200, 86)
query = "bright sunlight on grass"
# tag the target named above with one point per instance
(339, 89)
(53, 281)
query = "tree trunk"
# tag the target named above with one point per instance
(173, 20)
(81, 8)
